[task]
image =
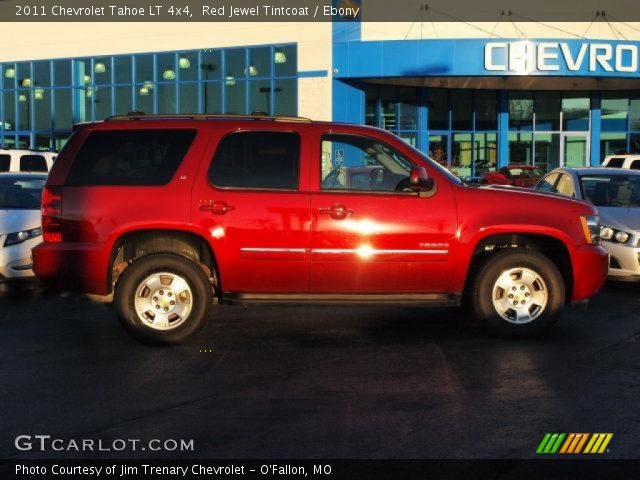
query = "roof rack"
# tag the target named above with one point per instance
(200, 116)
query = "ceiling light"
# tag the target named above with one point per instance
(169, 74)
(253, 71)
(22, 98)
(144, 91)
(183, 62)
(100, 68)
(10, 73)
(230, 80)
(26, 82)
(87, 79)
(148, 85)
(38, 94)
(279, 57)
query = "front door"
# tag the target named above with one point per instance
(574, 151)
(371, 235)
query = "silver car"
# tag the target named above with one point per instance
(616, 194)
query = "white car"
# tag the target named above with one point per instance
(616, 194)
(26, 161)
(626, 161)
(20, 224)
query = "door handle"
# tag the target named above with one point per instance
(217, 208)
(336, 211)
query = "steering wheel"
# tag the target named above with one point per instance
(331, 180)
(404, 185)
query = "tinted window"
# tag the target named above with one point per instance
(257, 160)
(565, 186)
(547, 184)
(130, 157)
(635, 165)
(5, 163)
(615, 162)
(21, 192)
(612, 190)
(350, 162)
(33, 163)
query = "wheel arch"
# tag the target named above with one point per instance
(136, 244)
(551, 246)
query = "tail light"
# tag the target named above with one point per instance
(52, 213)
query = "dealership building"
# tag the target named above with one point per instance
(474, 96)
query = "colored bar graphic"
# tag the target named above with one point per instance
(567, 443)
(543, 443)
(550, 443)
(554, 449)
(582, 442)
(592, 440)
(596, 443)
(606, 441)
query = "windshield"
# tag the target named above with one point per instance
(515, 172)
(611, 190)
(435, 164)
(21, 192)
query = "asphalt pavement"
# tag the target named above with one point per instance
(317, 382)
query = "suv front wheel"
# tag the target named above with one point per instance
(163, 298)
(517, 293)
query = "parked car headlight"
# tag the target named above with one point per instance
(613, 235)
(19, 237)
(591, 228)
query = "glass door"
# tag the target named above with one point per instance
(575, 149)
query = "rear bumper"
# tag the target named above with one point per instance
(71, 266)
(590, 269)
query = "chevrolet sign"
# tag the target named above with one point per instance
(525, 57)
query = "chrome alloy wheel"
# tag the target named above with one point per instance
(163, 301)
(520, 295)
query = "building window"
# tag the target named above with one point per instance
(40, 101)
(461, 128)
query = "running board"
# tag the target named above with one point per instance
(439, 299)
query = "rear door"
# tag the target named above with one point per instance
(250, 198)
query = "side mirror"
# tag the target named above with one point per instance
(419, 180)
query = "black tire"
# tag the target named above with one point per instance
(139, 270)
(482, 291)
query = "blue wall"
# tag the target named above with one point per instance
(466, 57)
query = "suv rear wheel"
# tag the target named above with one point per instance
(518, 293)
(163, 298)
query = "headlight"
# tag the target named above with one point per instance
(19, 237)
(591, 228)
(613, 235)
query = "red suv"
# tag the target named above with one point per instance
(175, 214)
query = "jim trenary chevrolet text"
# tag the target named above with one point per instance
(174, 215)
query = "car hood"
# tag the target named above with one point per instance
(534, 193)
(16, 220)
(621, 218)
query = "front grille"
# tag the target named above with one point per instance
(614, 263)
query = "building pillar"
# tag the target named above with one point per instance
(348, 103)
(503, 129)
(594, 136)
(423, 121)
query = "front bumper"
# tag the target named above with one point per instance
(15, 260)
(624, 264)
(590, 269)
